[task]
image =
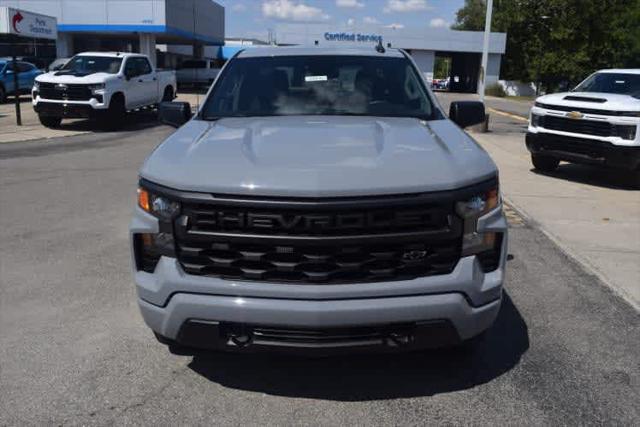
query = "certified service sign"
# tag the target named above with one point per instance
(27, 24)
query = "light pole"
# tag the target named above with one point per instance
(485, 50)
(539, 70)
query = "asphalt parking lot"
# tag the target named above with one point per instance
(74, 349)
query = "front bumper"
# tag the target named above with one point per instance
(436, 310)
(234, 323)
(585, 151)
(68, 111)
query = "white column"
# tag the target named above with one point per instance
(148, 46)
(198, 50)
(64, 45)
(482, 82)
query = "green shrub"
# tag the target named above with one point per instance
(495, 90)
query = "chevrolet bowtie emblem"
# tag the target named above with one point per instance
(576, 115)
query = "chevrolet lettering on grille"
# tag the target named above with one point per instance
(240, 220)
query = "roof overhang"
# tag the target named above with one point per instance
(164, 33)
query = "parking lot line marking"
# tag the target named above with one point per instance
(513, 116)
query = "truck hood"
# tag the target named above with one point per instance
(612, 101)
(318, 156)
(95, 78)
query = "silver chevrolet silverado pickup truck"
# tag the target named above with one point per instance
(319, 199)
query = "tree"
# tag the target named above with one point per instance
(560, 40)
(441, 67)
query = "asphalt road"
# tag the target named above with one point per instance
(74, 349)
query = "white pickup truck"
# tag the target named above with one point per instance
(101, 85)
(197, 72)
(597, 123)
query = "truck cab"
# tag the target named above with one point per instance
(597, 123)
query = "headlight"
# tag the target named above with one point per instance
(485, 245)
(478, 205)
(36, 85)
(157, 205)
(149, 247)
(96, 87)
(535, 120)
(626, 131)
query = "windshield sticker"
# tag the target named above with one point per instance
(315, 78)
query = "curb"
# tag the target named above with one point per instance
(578, 259)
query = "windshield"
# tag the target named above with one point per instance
(318, 85)
(85, 65)
(621, 83)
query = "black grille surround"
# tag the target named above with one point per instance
(585, 127)
(318, 241)
(66, 92)
(588, 110)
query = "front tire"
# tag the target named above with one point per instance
(3, 95)
(544, 163)
(115, 115)
(50, 122)
(168, 94)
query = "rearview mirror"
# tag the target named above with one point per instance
(467, 113)
(174, 113)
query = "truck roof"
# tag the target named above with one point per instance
(111, 54)
(369, 50)
(621, 70)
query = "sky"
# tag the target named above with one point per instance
(254, 18)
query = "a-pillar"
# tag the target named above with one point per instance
(148, 46)
(64, 45)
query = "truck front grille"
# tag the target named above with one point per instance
(318, 243)
(319, 263)
(67, 92)
(584, 127)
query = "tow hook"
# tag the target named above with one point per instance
(398, 340)
(241, 340)
(239, 336)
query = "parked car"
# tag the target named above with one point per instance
(197, 72)
(440, 84)
(26, 74)
(57, 64)
(101, 85)
(39, 62)
(597, 123)
(320, 199)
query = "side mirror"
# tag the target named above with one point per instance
(467, 113)
(174, 113)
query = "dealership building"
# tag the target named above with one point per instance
(147, 26)
(463, 48)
